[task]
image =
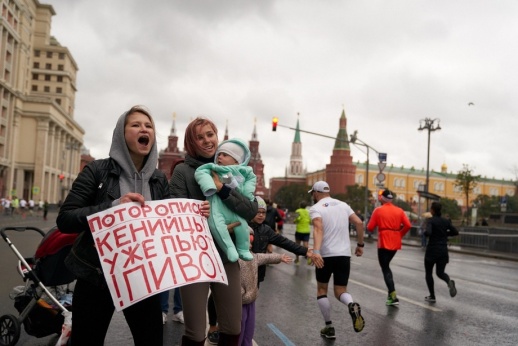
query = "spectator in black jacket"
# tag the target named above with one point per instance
(272, 215)
(264, 235)
(128, 175)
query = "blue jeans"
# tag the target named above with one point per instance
(177, 301)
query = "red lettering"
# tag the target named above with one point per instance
(186, 226)
(161, 210)
(200, 241)
(116, 286)
(155, 224)
(119, 235)
(171, 223)
(148, 248)
(119, 212)
(168, 265)
(95, 224)
(111, 262)
(146, 209)
(135, 212)
(132, 256)
(206, 263)
(126, 275)
(108, 220)
(186, 265)
(102, 243)
(184, 207)
(134, 228)
(168, 239)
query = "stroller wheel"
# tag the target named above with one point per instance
(9, 330)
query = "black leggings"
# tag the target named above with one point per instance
(439, 270)
(93, 310)
(384, 258)
(211, 309)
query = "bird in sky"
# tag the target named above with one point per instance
(471, 104)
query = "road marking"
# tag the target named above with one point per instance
(429, 307)
(281, 336)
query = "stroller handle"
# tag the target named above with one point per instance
(20, 229)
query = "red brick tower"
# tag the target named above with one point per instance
(257, 164)
(340, 172)
(168, 157)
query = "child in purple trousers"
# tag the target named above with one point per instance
(249, 289)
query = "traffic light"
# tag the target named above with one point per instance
(61, 177)
(275, 120)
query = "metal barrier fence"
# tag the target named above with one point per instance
(488, 238)
(503, 240)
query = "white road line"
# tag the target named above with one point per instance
(429, 307)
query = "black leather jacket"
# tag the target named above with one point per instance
(94, 190)
(264, 235)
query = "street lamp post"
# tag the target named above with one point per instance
(431, 126)
(356, 140)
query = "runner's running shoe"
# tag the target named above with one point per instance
(328, 332)
(430, 299)
(356, 315)
(453, 290)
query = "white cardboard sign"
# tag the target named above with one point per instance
(154, 248)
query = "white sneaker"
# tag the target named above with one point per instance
(164, 317)
(178, 317)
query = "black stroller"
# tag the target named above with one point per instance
(46, 268)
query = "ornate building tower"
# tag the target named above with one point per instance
(296, 164)
(341, 171)
(168, 157)
(257, 164)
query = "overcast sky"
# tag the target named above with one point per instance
(387, 63)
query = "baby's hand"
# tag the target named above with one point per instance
(286, 259)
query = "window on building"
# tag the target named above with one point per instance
(60, 78)
(49, 55)
(58, 101)
(34, 88)
(48, 66)
(59, 90)
(61, 67)
(37, 53)
(46, 89)
(35, 76)
(36, 65)
(47, 77)
(61, 56)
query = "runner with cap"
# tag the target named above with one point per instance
(330, 218)
(392, 224)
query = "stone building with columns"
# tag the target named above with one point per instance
(40, 142)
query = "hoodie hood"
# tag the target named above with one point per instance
(239, 142)
(131, 180)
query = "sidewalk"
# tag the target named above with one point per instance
(33, 221)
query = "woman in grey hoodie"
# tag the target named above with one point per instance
(128, 175)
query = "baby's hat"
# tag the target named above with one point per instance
(232, 149)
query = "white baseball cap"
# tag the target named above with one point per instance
(320, 186)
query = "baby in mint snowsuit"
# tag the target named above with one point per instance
(231, 167)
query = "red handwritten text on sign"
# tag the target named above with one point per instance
(150, 249)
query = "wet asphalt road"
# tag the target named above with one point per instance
(485, 311)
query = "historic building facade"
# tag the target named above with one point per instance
(405, 182)
(40, 142)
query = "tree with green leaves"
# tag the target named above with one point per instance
(451, 208)
(466, 181)
(291, 195)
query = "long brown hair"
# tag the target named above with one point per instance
(189, 141)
